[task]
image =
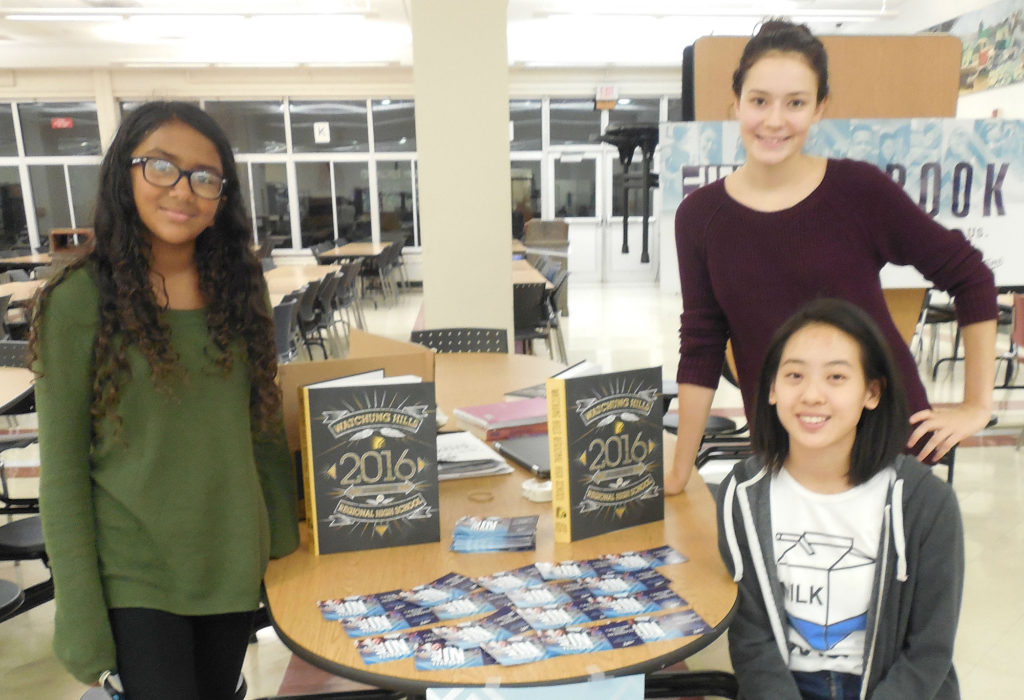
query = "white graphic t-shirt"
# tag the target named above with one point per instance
(826, 547)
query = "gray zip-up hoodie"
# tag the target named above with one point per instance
(915, 602)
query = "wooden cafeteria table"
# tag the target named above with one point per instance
(21, 292)
(15, 384)
(525, 273)
(25, 261)
(289, 278)
(295, 583)
(359, 249)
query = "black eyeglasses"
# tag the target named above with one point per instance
(164, 173)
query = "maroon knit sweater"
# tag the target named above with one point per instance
(744, 272)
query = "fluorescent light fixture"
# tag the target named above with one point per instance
(355, 63)
(166, 65)
(36, 17)
(250, 64)
(713, 10)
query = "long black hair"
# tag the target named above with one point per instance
(881, 431)
(230, 277)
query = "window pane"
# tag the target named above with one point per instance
(60, 128)
(574, 121)
(316, 216)
(526, 125)
(131, 105)
(525, 193)
(394, 188)
(635, 202)
(270, 192)
(13, 231)
(675, 109)
(8, 145)
(252, 127)
(243, 183)
(394, 125)
(85, 180)
(329, 126)
(352, 186)
(636, 111)
(49, 191)
(575, 188)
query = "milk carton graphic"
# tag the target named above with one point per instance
(816, 569)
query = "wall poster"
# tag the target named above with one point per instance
(968, 174)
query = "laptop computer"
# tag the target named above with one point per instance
(529, 452)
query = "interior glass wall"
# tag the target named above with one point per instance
(352, 192)
(394, 126)
(251, 126)
(13, 229)
(575, 187)
(59, 128)
(329, 127)
(574, 122)
(526, 119)
(333, 147)
(394, 192)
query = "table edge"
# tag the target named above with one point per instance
(404, 685)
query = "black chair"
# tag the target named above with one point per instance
(691, 684)
(320, 248)
(5, 302)
(325, 296)
(346, 303)
(558, 283)
(286, 328)
(310, 322)
(531, 315)
(376, 272)
(463, 339)
(22, 540)
(397, 240)
(11, 598)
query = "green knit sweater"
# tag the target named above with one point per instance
(179, 512)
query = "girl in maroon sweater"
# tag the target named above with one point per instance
(788, 227)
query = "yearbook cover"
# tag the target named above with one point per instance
(369, 454)
(605, 451)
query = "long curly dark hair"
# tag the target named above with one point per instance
(230, 277)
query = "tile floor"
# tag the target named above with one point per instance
(634, 326)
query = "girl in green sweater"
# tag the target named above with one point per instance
(166, 483)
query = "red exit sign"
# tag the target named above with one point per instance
(62, 123)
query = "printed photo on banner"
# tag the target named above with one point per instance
(967, 174)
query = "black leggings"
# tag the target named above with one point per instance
(162, 656)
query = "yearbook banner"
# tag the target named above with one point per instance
(967, 174)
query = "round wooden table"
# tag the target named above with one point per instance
(295, 583)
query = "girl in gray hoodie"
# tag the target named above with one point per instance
(849, 556)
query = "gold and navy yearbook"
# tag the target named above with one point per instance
(605, 445)
(369, 452)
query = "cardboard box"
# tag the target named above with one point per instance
(366, 352)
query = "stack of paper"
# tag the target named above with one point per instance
(495, 534)
(463, 455)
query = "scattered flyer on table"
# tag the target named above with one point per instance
(495, 534)
(505, 581)
(539, 611)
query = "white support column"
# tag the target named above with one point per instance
(107, 111)
(460, 81)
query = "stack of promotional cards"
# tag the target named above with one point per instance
(540, 611)
(495, 534)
